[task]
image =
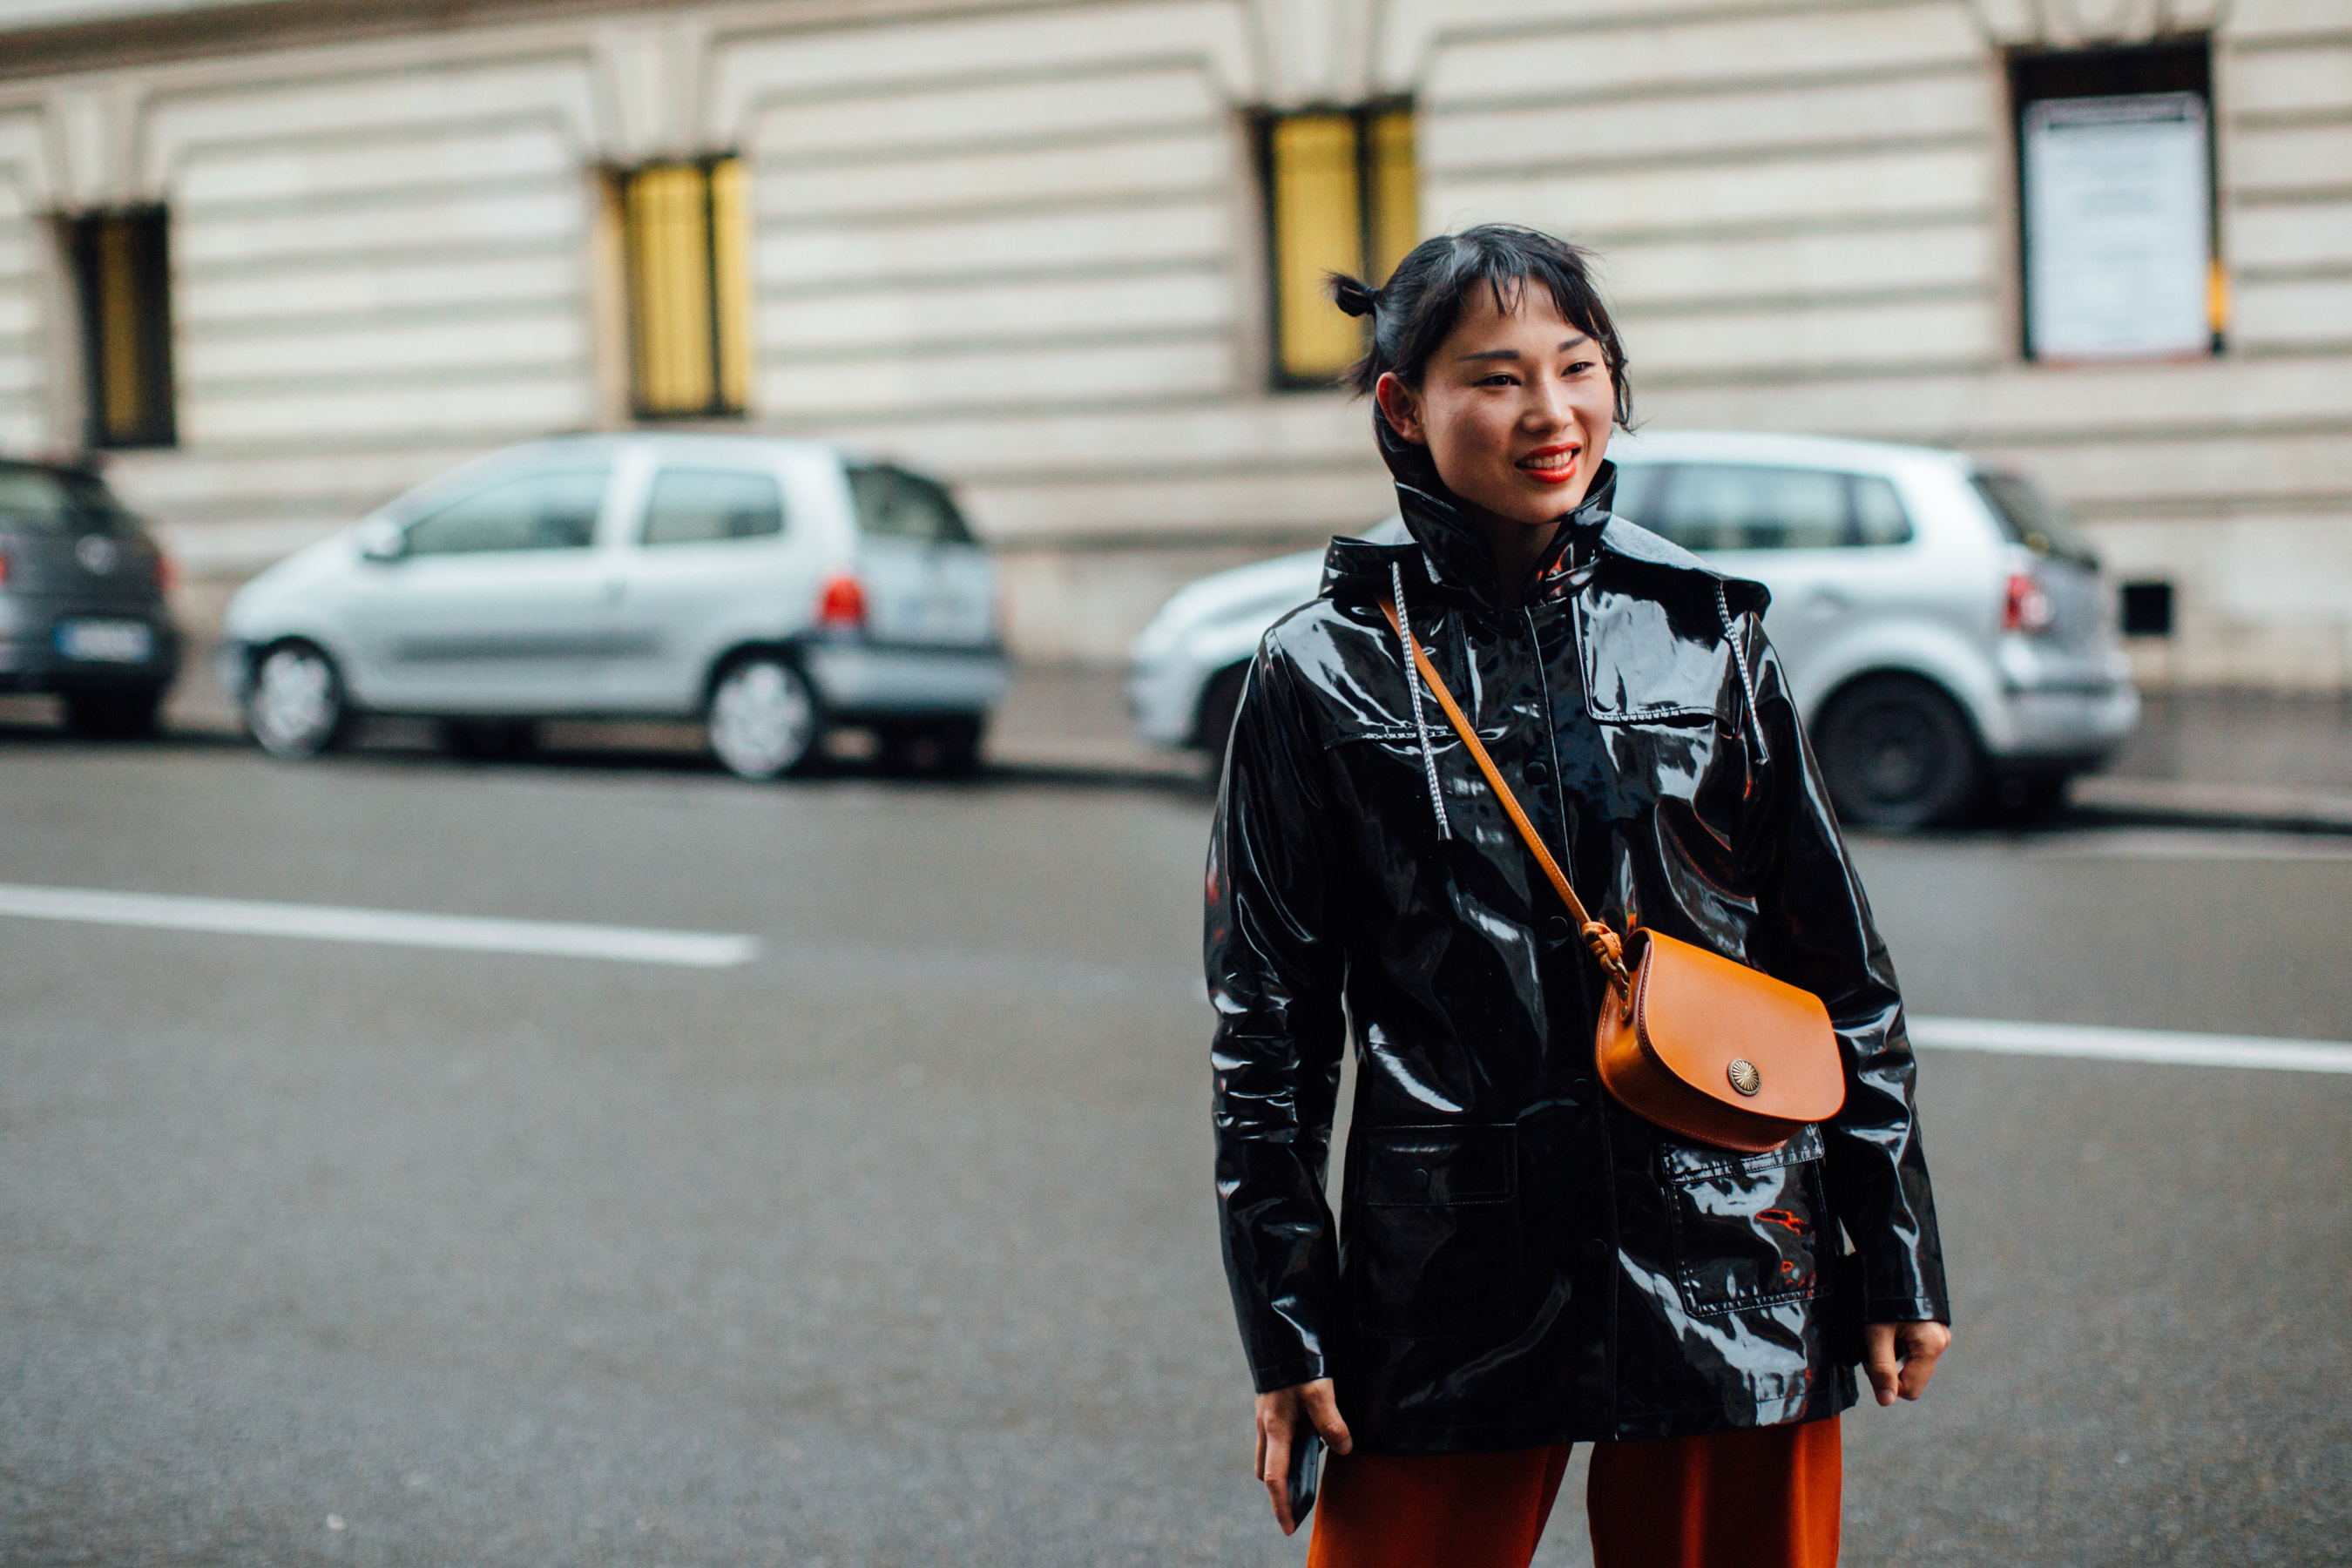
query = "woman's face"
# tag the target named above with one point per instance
(1514, 408)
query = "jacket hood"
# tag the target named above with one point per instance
(1451, 549)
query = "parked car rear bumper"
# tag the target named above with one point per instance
(31, 658)
(2073, 727)
(861, 678)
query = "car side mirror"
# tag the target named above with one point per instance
(382, 540)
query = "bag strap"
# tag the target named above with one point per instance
(1604, 943)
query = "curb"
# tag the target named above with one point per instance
(2174, 803)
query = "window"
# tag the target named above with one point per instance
(2115, 167)
(59, 500)
(1726, 506)
(1342, 195)
(702, 506)
(684, 245)
(555, 509)
(122, 272)
(895, 504)
(2029, 516)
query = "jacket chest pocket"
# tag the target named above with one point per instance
(1433, 1231)
(1747, 1231)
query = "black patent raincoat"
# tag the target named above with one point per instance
(1521, 1260)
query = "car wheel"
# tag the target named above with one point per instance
(1898, 753)
(294, 706)
(113, 715)
(1219, 703)
(949, 747)
(489, 739)
(763, 720)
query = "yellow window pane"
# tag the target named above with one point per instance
(668, 216)
(731, 266)
(120, 350)
(1395, 194)
(1318, 229)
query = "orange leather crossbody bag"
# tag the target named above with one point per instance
(1709, 1049)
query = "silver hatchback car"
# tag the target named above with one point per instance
(770, 588)
(1947, 634)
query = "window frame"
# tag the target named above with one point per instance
(2176, 63)
(728, 334)
(145, 354)
(1376, 224)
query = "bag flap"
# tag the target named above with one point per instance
(1699, 1013)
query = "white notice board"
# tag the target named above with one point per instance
(2118, 226)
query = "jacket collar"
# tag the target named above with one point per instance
(1449, 553)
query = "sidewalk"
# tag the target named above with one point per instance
(2221, 759)
(2232, 759)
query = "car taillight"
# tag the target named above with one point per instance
(167, 576)
(2029, 609)
(842, 603)
(4, 567)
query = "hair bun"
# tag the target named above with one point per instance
(1354, 295)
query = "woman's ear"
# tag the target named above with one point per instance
(1401, 405)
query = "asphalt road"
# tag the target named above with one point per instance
(895, 1245)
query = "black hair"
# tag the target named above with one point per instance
(1415, 310)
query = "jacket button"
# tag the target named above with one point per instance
(1420, 1178)
(1556, 930)
(1538, 771)
(1581, 1088)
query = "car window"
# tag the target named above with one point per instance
(895, 504)
(1878, 514)
(1637, 492)
(2030, 516)
(549, 509)
(698, 506)
(51, 501)
(1726, 506)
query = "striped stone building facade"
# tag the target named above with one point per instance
(1025, 246)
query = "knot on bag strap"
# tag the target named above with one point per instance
(1606, 946)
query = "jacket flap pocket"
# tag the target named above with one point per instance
(1424, 1167)
(1686, 1163)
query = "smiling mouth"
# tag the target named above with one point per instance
(1551, 465)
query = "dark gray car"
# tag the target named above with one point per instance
(82, 611)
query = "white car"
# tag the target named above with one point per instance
(1947, 633)
(770, 588)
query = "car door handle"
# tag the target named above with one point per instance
(1829, 601)
(613, 592)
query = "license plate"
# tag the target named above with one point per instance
(107, 642)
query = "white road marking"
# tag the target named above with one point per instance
(2131, 1045)
(329, 922)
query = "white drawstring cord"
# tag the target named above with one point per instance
(1746, 680)
(1412, 685)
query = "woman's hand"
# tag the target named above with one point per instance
(1899, 1357)
(1285, 1415)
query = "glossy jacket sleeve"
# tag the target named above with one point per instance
(1814, 929)
(1275, 975)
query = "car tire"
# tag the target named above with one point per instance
(1220, 702)
(113, 715)
(764, 721)
(294, 705)
(489, 739)
(1897, 755)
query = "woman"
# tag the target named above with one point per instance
(1525, 1264)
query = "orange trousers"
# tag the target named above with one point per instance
(1765, 1498)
